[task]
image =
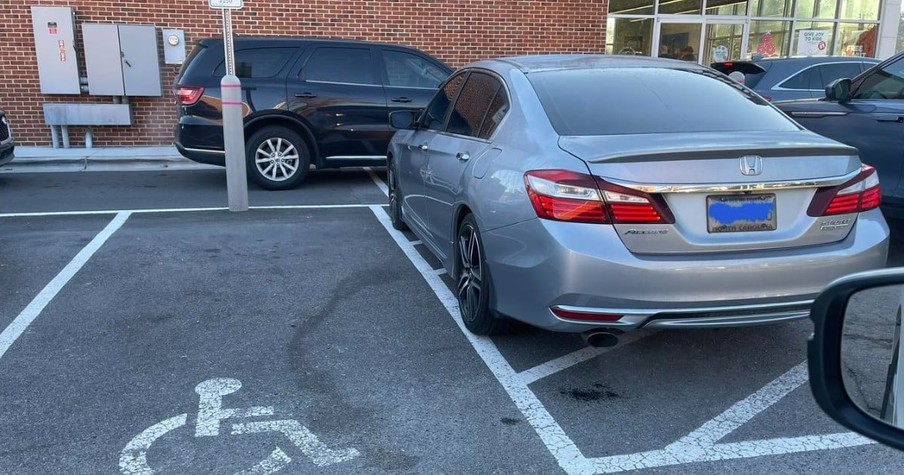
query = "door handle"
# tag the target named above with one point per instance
(401, 99)
(463, 156)
(305, 95)
(899, 119)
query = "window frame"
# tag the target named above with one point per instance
(422, 120)
(876, 69)
(780, 85)
(499, 86)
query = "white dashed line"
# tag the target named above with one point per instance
(34, 309)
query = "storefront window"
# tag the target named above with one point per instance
(900, 46)
(679, 41)
(859, 10)
(768, 39)
(693, 7)
(813, 39)
(816, 8)
(631, 7)
(722, 42)
(726, 7)
(632, 36)
(771, 8)
(856, 40)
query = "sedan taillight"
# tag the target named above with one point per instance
(563, 195)
(188, 95)
(862, 193)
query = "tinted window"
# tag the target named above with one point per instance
(807, 79)
(751, 80)
(257, 62)
(496, 112)
(651, 100)
(347, 65)
(884, 83)
(410, 70)
(435, 115)
(831, 72)
(472, 104)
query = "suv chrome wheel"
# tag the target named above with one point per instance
(278, 158)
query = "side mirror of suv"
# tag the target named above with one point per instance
(839, 90)
(405, 120)
(856, 356)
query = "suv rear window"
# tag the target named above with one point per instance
(257, 62)
(651, 100)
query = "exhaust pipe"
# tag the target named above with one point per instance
(600, 338)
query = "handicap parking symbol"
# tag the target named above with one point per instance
(211, 414)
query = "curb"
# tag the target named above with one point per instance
(41, 159)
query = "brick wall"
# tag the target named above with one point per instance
(456, 31)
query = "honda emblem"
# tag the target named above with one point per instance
(751, 165)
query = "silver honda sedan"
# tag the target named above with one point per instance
(589, 192)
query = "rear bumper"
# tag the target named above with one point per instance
(706, 317)
(538, 265)
(7, 152)
(202, 143)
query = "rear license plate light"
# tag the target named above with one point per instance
(740, 213)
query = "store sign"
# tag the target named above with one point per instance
(813, 42)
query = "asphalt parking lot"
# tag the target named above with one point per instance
(145, 329)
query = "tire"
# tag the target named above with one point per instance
(473, 283)
(395, 205)
(277, 158)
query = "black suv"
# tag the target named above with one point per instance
(7, 146)
(307, 100)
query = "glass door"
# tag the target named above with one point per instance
(723, 41)
(679, 39)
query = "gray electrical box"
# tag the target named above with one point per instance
(54, 32)
(173, 46)
(121, 60)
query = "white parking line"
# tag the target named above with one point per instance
(377, 181)
(15, 329)
(562, 363)
(175, 210)
(701, 444)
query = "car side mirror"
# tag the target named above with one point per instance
(839, 90)
(856, 354)
(405, 120)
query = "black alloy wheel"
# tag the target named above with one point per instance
(473, 282)
(395, 206)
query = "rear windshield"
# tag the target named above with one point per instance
(751, 80)
(651, 100)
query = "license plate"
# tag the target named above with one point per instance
(740, 213)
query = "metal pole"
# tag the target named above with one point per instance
(233, 125)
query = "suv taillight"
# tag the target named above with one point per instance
(563, 195)
(862, 193)
(188, 95)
